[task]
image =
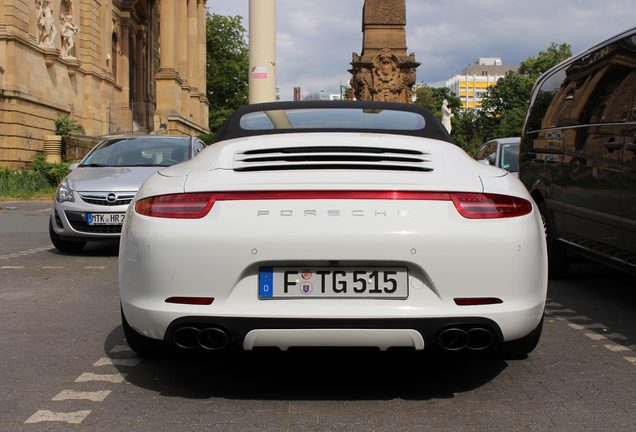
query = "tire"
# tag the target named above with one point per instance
(64, 246)
(558, 260)
(142, 345)
(520, 348)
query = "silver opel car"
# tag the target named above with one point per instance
(91, 202)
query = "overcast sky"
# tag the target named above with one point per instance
(315, 38)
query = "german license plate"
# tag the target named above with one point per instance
(105, 218)
(338, 282)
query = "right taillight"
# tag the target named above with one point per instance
(489, 206)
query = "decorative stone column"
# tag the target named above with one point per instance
(167, 36)
(168, 82)
(201, 43)
(182, 56)
(181, 37)
(384, 72)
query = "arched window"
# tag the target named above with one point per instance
(113, 57)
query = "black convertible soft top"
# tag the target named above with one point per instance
(332, 116)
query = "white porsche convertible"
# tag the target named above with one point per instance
(333, 224)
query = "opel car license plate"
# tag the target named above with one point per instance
(339, 282)
(105, 218)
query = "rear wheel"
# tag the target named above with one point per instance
(520, 348)
(142, 345)
(64, 246)
(558, 260)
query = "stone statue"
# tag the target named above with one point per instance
(68, 32)
(46, 27)
(446, 116)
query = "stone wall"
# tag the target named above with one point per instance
(78, 146)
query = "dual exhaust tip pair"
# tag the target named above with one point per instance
(209, 338)
(449, 339)
(473, 339)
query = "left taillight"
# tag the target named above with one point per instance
(177, 206)
(489, 206)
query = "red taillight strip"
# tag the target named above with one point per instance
(198, 205)
(343, 194)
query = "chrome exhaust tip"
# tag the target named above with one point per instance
(186, 337)
(452, 339)
(479, 338)
(213, 339)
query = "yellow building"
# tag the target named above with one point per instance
(112, 66)
(472, 84)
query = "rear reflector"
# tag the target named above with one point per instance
(476, 301)
(191, 300)
(198, 205)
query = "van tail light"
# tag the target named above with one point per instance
(490, 206)
(177, 206)
(198, 205)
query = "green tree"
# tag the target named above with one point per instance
(432, 98)
(545, 60)
(227, 67)
(507, 102)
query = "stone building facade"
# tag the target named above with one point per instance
(112, 66)
(384, 71)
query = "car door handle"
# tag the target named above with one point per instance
(612, 145)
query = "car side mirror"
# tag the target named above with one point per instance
(484, 161)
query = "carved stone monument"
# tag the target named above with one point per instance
(384, 71)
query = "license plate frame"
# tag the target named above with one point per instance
(105, 218)
(352, 282)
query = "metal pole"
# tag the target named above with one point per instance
(262, 73)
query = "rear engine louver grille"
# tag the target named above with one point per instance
(331, 158)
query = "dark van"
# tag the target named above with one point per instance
(578, 155)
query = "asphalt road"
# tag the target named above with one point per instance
(65, 364)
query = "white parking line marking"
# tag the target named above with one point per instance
(49, 416)
(105, 361)
(94, 267)
(576, 326)
(113, 378)
(95, 396)
(26, 252)
(617, 348)
(632, 360)
(11, 267)
(595, 336)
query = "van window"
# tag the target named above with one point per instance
(608, 95)
(544, 100)
(606, 84)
